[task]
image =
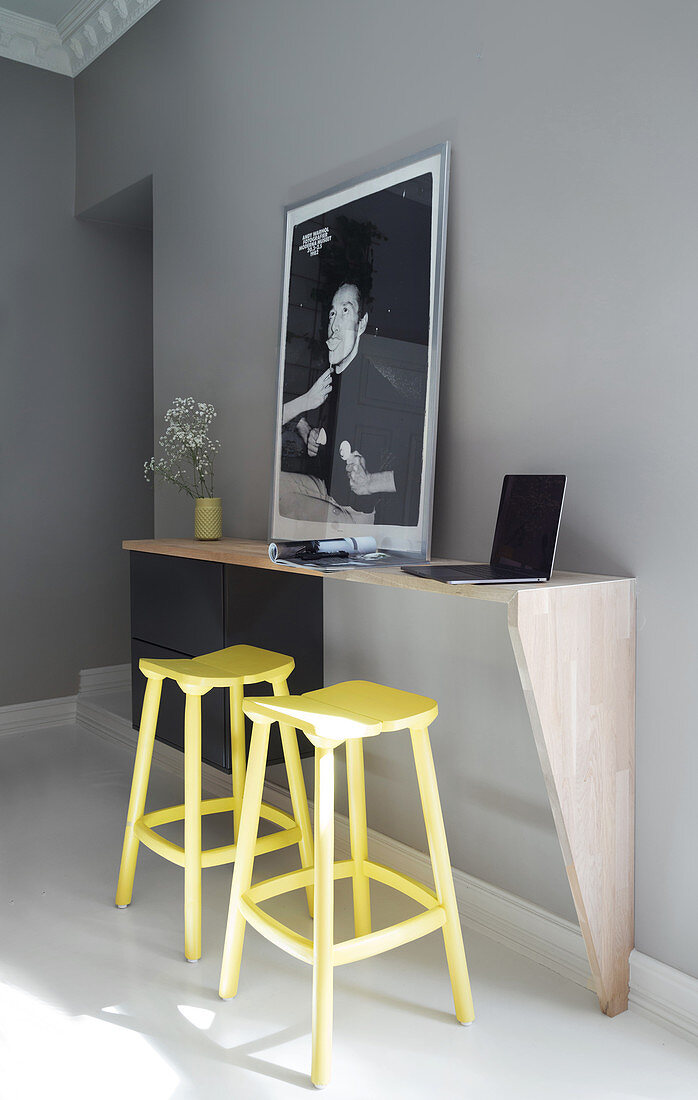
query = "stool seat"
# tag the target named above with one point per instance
(394, 709)
(322, 723)
(244, 663)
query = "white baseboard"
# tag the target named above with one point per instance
(666, 996)
(61, 712)
(23, 717)
(103, 681)
(95, 718)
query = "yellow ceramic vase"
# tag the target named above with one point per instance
(208, 519)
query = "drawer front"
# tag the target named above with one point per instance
(215, 739)
(177, 603)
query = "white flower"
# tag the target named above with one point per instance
(186, 444)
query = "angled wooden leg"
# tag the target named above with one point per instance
(358, 835)
(296, 786)
(139, 788)
(575, 652)
(237, 751)
(244, 860)
(192, 827)
(443, 878)
(324, 917)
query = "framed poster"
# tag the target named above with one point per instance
(359, 358)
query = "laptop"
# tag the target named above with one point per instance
(525, 536)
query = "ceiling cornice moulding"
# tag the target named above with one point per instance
(88, 29)
(34, 42)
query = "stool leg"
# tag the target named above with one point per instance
(359, 840)
(296, 786)
(244, 860)
(192, 827)
(443, 878)
(139, 788)
(324, 917)
(237, 751)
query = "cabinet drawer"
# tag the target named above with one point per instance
(177, 603)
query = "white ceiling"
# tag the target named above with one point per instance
(50, 11)
(62, 35)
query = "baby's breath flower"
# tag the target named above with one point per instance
(187, 448)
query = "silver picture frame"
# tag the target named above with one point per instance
(359, 357)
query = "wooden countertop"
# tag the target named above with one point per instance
(255, 553)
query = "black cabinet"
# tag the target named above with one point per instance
(177, 603)
(182, 607)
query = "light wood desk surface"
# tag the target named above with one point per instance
(574, 644)
(256, 554)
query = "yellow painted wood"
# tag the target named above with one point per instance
(353, 950)
(350, 950)
(272, 842)
(139, 788)
(294, 880)
(324, 917)
(358, 837)
(385, 939)
(324, 725)
(246, 663)
(398, 880)
(215, 857)
(192, 827)
(170, 851)
(391, 708)
(344, 868)
(242, 874)
(289, 834)
(238, 756)
(290, 941)
(296, 787)
(443, 878)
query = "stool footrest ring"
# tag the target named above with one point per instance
(144, 829)
(359, 947)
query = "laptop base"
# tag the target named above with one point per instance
(470, 574)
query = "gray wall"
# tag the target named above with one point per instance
(75, 403)
(569, 343)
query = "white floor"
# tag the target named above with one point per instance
(99, 1002)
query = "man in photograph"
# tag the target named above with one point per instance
(351, 424)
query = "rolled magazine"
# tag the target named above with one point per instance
(314, 553)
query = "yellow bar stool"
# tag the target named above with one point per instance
(345, 713)
(230, 668)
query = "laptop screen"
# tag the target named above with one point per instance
(528, 522)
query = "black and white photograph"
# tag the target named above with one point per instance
(358, 369)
